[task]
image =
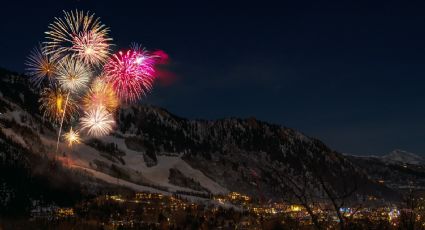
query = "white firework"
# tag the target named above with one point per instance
(73, 75)
(98, 122)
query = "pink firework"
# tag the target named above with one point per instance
(131, 74)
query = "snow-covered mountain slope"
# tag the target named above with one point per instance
(91, 159)
(26, 128)
(244, 155)
(403, 157)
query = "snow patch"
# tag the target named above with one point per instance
(404, 157)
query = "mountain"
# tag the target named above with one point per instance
(403, 157)
(399, 170)
(152, 149)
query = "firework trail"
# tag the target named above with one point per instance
(52, 103)
(73, 76)
(40, 66)
(61, 123)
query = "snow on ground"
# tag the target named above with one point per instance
(82, 155)
(401, 156)
(112, 180)
(160, 172)
(140, 188)
(396, 156)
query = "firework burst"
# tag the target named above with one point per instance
(101, 94)
(53, 102)
(80, 34)
(91, 48)
(131, 74)
(72, 137)
(40, 66)
(98, 122)
(77, 46)
(73, 75)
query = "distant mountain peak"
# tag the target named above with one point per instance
(402, 156)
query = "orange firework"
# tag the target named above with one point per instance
(101, 94)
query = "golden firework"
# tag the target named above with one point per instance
(40, 66)
(72, 137)
(81, 34)
(53, 104)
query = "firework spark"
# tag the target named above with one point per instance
(72, 137)
(131, 74)
(91, 48)
(73, 75)
(40, 66)
(144, 59)
(98, 122)
(80, 34)
(101, 94)
(53, 104)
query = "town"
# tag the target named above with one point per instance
(145, 210)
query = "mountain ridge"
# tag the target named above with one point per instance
(232, 154)
(396, 156)
(402, 156)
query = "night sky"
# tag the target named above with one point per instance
(351, 74)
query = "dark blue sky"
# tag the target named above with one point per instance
(350, 73)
